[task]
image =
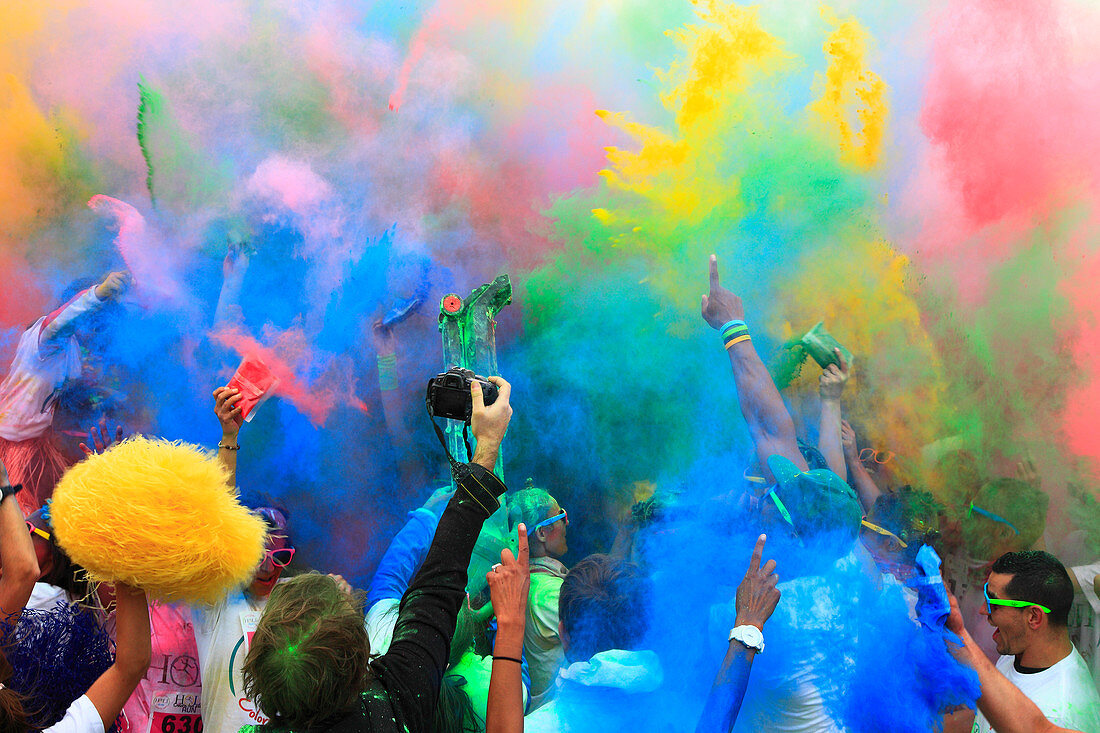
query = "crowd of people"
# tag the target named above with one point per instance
(547, 647)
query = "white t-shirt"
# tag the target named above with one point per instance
(47, 356)
(1064, 693)
(81, 717)
(222, 636)
(45, 597)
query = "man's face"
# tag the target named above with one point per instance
(887, 554)
(1011, 633)
(267, 574)
(553, 535)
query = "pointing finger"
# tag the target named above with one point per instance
(524, 551)
(757, 554)
(714, 273)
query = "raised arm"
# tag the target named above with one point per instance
(228, 311)
(229, 416)
(858, 476)
(132, 653)
(770, 424)
(17, 558)
(429, 608)
(830, 388)
(757, 597)
(509, 585)
(60, 323)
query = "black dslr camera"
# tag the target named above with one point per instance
(449, 394)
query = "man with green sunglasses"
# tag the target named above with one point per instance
(1027, 600)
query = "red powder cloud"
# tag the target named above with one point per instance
(1011, 104)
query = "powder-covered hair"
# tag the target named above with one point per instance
(310, 657)
(530, 506)
(455, 712)
(1017, 501)
(602, 606)
(911, 514)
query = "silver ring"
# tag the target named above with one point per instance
(496, 566)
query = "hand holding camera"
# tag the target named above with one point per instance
(489, 422)
(459, 394)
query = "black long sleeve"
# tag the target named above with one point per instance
(411, 672)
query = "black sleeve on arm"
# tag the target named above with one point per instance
(412, 669)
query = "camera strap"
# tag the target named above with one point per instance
(458, 470)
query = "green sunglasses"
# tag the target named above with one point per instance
(991, 602)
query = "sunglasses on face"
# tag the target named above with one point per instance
(40, 532)
(878, 456)
(279, 558)
(991, 602)
(547, 522)
(883, 531)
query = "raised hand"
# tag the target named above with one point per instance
(757, 595)
(490, 423)
(848, 440)
(437, 502)
(833, 378)
(720, 306)
(342, 584)
(227, 410)
(1026, 472)
(100, 438)
(509, 582)
(237, 257)
(113, 285)
(955, 618)
(382, 338)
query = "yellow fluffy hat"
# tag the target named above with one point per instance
(160, 516)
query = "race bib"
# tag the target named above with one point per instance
(175, 712)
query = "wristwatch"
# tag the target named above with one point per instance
(6, 491)
(748, 635)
